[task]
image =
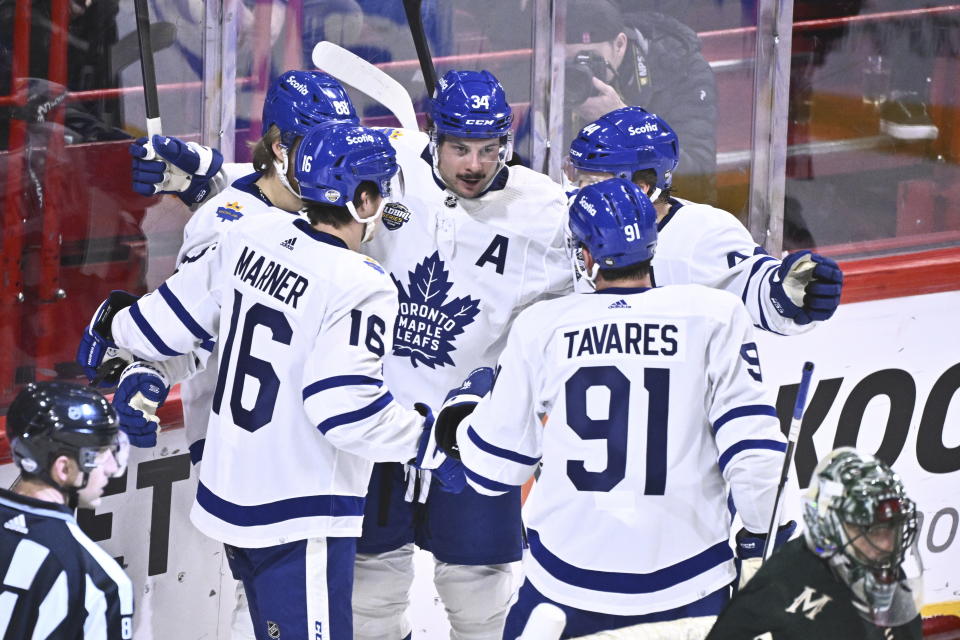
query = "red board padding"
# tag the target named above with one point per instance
(941, 628)
(897, 276)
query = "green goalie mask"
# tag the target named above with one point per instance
(859, 518)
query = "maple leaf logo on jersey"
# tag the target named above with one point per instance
(428, 323)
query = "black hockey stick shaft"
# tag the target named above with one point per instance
(415, 18)
(792, 436)
(146, 66)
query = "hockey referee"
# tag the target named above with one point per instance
(56, 582)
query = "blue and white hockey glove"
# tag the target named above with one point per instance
(430, 457)
(459, 403)
(807, 287)
(142, 388)
(101, 359)
(170, 165)
(750, 549)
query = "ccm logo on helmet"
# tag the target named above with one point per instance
(479, 122)
(650, 127)
(296, 85)
(358, 139)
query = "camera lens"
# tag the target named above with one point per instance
(578, 84)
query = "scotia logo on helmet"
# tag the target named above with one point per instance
(366, 137)
(394, 215)
(588, 207)
(332, 195)
(650, 127)
(302, 88)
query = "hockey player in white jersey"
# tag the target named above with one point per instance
(295, 102)
(300, 407)
(698, 243)
(655, 409)
(472, 243)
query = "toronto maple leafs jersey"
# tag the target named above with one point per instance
(464, 268)
(700, 244)
(242, 199)
(300, 407)
(655, 407)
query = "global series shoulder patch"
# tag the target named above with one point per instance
(230, 212)
(394, 215)
(373, 264)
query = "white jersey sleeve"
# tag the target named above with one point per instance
(345, 394)
(700, 244)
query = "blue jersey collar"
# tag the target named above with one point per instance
(674, 207)
(623, 291)
(320, 236)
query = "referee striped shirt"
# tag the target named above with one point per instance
(56, 582)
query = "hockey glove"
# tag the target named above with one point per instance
(170, 165)
(142, 388)
(807, 287)
(101, 360)
(750, 549)
(430, 457)
(460, 403)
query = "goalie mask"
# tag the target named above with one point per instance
(616, 222)
(51, 419)
(859, 518)
(332, 163)
(620, 143)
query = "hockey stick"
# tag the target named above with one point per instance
(415, 18)
(149, 73)
(792, 436)
(353, 70)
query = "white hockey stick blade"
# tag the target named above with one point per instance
(353, 70)
(681, 629)
(546, 622)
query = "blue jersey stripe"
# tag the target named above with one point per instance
(494, 450)
(280, 511)
(485, 482)
(355, 416)
(177, 307)
(196, 450)
(744, 411)
(150, 334)
(338, 381)
(753, 271)
(628, 583)
(743, 445)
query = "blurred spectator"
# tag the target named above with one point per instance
(646, 59)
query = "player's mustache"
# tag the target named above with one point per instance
(471, 176)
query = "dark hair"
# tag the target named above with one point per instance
(263, 155)
(336, 216)
(649, 178)
(629, 272)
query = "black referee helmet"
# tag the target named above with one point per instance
(50, 419)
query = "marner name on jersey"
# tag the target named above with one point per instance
(642, 339)
(273, 278)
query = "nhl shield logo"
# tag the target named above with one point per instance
(332, 195)
(273, 629)
(450, 201)
(394, 215)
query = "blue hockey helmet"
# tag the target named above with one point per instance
(624, 141)
(470, 104)
(50, 419)
(332, 161)
(300, 100)
(616, 222)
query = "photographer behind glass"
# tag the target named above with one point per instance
(650, 60)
